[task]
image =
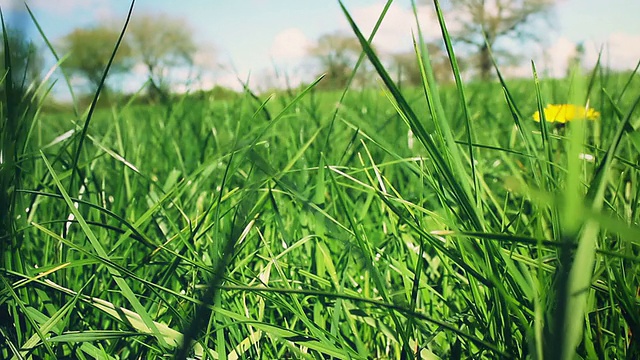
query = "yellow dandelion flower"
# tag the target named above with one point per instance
(564, 113)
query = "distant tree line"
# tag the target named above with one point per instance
(483, 24)
(155, 45)
(477, 26)
(337, 54)
(21, 68)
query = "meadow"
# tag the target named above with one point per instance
(314, 224)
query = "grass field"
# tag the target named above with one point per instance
(311, 225)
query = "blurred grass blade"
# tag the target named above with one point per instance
(453, 180)
(580, 276)
(353, 73)
(85, 128)
(59, 60)
(463, 100)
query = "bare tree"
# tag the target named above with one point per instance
(161, 43)
(337, 55)
(496, 19)
(90, 50)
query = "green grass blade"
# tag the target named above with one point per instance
(457, 187)
(85, 128)
(463, 99)
(580, 276)
(100, 251)
(353, 74)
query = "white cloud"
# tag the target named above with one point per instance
(130, 86)
(11, 5)
(289, 44)
(394, 34)
(205, 58)
(204, 82)
(619, 51)
(557, 56)
(58, 6)
(281, 78)
(139, 70)
(551, 61)
(230, 80)
(261, 80)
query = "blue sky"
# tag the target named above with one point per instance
(254, 36)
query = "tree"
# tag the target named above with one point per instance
(26, 61)
(497, 20)
(161, 43)
(21, 74)
(406, 66)
(337, 55)
(21, 66)
(90, 50)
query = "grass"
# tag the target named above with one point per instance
(294, 227)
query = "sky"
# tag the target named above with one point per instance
(262, 39)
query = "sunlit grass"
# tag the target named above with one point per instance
(290, 226)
